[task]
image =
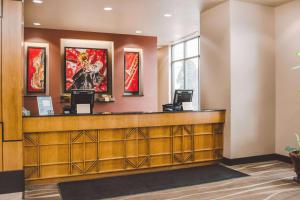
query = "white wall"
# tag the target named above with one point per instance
(215, 63)
(164, 83)
(237, 73)
(287, 20)
(252, 79)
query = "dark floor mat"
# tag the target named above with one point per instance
(147, 182)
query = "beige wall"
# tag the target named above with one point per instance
(252, 79)
(215, 63)
(287, 20)
(237, 73)
(164, 84)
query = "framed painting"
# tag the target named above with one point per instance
(132, 72)
(36, 68)
(85, 68)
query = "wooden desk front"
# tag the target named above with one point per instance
(82, 147)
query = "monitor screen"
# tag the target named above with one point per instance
(183, 96)
(82, 97)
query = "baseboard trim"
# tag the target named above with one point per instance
(12, 181)
(254, 159)
(283, 158)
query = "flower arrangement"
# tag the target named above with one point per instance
(294, 149)
(294, 152)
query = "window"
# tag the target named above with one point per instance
(185, 67)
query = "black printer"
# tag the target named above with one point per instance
(179, 97)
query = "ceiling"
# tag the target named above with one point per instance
(272, 3)
(127, 16)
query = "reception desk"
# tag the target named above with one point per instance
(88, 146)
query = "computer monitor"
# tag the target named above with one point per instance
(182, 96)
(82, 97)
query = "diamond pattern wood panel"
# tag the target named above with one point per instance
(86, 152)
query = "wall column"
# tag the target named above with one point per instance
(11, 65)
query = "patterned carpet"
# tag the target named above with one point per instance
(268, 181)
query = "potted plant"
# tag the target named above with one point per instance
(295, 157)
(295, 152)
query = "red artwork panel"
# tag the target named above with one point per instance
(36, 70)
(132, 65)
(86, 68)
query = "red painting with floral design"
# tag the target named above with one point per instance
(36, 70)
(86, 68)
(132, 65)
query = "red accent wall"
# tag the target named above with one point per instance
(148, 102)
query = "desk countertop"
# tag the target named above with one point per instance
(125, 113)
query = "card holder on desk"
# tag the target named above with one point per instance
(83, 108)
(187, 106)
(45, 106)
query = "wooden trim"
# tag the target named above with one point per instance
(94, 122)
(185, 118)
(73, 123)
(117, 173)
(1, 118)
(12, 61)
(12, 155)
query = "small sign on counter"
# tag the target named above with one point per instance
(187, 106)
(45, 106)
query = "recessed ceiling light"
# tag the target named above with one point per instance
(107, 8)
(36, 24)
(138, 31)
(167, 15)
(37, 1)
